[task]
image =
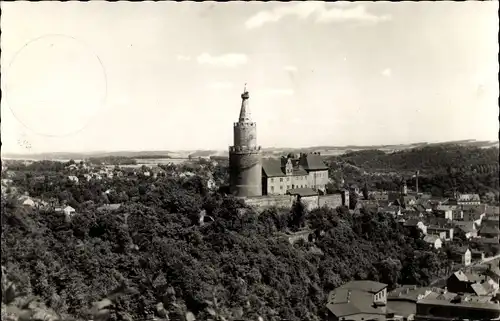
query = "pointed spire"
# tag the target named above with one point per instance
(245, 111)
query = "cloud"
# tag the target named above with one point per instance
(220, 85)
(183, 58)
(290, 68)
(227, 60)
(322, 12)
(387, 72)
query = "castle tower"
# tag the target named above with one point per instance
(245, 167)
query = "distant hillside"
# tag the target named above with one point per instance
(270, 151)
(435, 158)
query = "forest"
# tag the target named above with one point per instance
(237, 267)
(442, 169)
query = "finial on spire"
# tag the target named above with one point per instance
(245, 94)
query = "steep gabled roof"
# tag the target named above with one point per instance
(272, 167)
(313, 162)
(488, 229)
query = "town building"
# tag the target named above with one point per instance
(434, 241)
(358, 300)
(451, 306)
(465, 199)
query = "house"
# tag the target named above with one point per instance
(434, 241)
(358, 300)
(405, 201)
(436, 200)
(474, 213)
(461, 282)
(378, 196)
(369, 205)
(445, 211)
(392, 210)
(416, 224)
(490, 221)
(477, 255)
(457, 214)
(469, 228)
(68, 211)
(211, 184)
(492, 211)
(468, 199)
(28, 202)
(445, 233)
(73, 178)
(489, 231)
(456, 307)
(423, 207)
(462, 256)
(403, 300)
(294, 171)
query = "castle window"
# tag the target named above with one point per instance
(272, 180)
(272, 188)
(281, 179)
(281, 187)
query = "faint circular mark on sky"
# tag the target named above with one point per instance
(55, 85)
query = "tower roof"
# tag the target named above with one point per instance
(245, 111)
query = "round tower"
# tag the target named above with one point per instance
(245, 167)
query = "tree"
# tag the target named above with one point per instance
(298, 215)
(353, 199)
(365, 191)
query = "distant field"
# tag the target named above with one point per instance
(155, 161)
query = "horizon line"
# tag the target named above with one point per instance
(375, 146)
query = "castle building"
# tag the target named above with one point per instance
(292, 172)
(279, 182)
(250, 175)
(245, 165)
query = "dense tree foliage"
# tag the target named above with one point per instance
(442, 170)
(238, 266)
(434, 159)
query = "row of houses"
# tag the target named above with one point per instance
(467, 295)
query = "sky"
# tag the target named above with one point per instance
(110, 76)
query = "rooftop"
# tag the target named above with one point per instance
(355, 297)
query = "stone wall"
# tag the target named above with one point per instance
(311, 202)
(263, 202)
(332, 200)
